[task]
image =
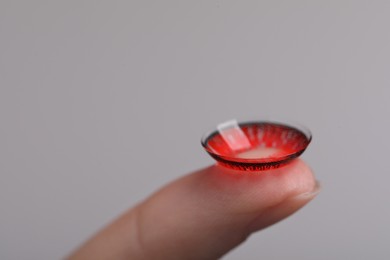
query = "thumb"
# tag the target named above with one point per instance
(204, 215)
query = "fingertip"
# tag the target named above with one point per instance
(251, 191)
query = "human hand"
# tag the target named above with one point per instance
(204, 215)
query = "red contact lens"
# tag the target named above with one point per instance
(254, 146)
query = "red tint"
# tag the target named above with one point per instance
(271, 145)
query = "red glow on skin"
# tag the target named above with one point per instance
(275, 145)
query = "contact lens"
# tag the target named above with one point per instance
(257, 145)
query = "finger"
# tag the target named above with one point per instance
(204, 215)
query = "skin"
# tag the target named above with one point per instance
(203, 215)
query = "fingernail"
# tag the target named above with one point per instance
(309, 195)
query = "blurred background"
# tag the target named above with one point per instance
(103, 102)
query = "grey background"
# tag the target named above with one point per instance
(102, 102)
